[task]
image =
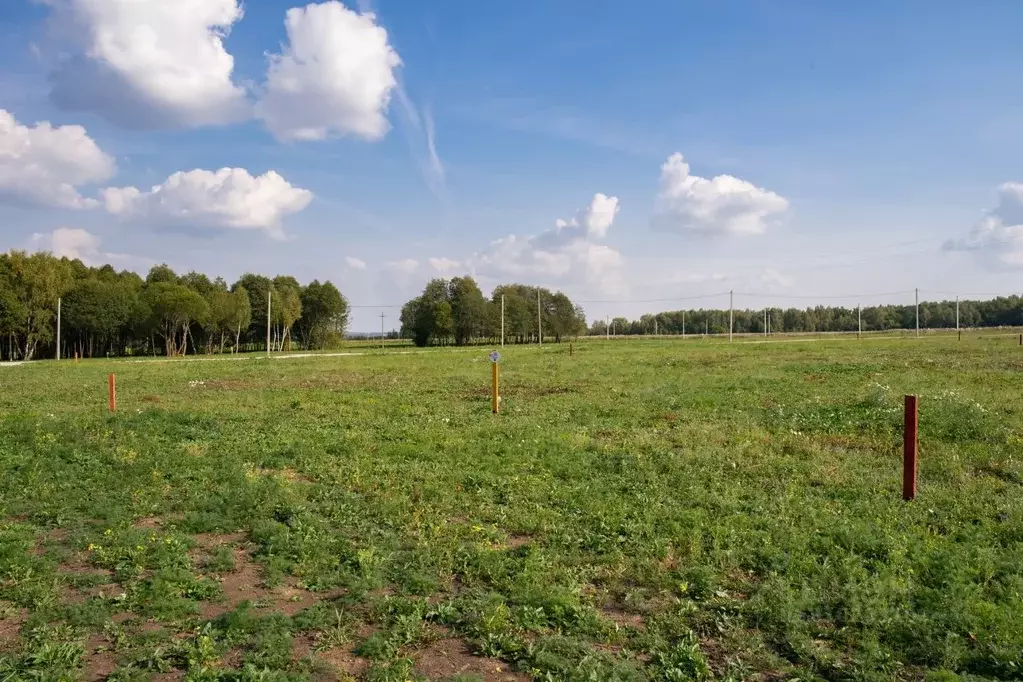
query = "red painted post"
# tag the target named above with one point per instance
(113, 393)
(909, 443)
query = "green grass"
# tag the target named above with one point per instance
(645, 509)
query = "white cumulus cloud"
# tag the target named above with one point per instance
(444, 265)
(568, 253)
(334, 77)
(67, 242)
(355, 263)
(43, 165)
(723, 204)
(149, 63)
(229, 198)
(78, 244)
(998, 238)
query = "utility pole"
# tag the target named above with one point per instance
(502, 320)
(539, 322)
(917, 291)
(58, 329)
(683, 324)
(655, 326)
(731, 314)
(765, 323)
(268, 293)
(859, 321)
(607, 327)
(381, 330)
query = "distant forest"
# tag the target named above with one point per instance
(106, 312)
(998, 312)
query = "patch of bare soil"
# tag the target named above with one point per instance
(245, 583)
(100, 661)
(518, 540)
(209, 541)
(241, 584)
(342, 659)
(623, 619)
(514, 541)
(452, 656)
(11, 620)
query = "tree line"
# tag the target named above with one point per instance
(105, 312)
(456, 312)
(1006, 311)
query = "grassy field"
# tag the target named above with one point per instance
(642, 510)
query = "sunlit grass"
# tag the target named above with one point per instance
(641, 510)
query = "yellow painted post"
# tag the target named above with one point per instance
(496, 396)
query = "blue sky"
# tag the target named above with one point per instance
(828, 149)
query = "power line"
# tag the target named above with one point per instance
(828, 298)
(661, 300)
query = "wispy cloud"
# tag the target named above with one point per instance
(418, 126)
(435, 164)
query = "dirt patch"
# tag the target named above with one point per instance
(514, 541)
(75, 596)
(623, 619)
(232, 660)
(210, 541)
(11, 620)
(245, 583)
(151, 399)
(241, 584)
(302, 647)
(452, 656)
(56, 536)
(341, 659)
(715, 653)
(99, 660)
(290, 600)
(149, 523)
(344, 661)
